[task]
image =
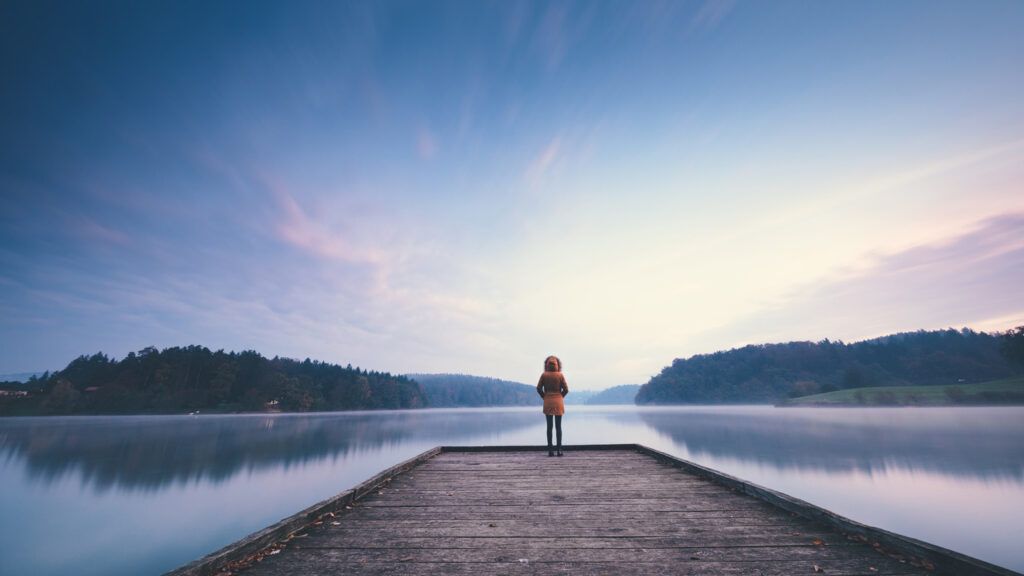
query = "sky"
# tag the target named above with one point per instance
(469, 187)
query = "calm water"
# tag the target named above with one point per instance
(144, 494)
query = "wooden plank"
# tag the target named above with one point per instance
(257, 541)
(846, 553)
(683, 535)
(610, 509)
(756, 540)
(681, 504)
(946, 560)
(519, 449)
(540, 520)
(301, 566)
(832, 560)
(554, 514)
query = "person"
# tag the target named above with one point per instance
(552, 387)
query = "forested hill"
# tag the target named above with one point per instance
(453, 390)
(193, 378)
(773, 372)
(623, 394)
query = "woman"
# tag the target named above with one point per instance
(553, 388)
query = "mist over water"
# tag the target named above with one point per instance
(144, 494)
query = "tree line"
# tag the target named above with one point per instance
(775, 372)
(193, 378)
(449, 390)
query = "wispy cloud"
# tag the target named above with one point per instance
(711, 14)
(964, 280)
(297, 228)
(91, 230)
(426, 143)
(544, 160)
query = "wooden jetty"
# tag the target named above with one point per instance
(617, 509)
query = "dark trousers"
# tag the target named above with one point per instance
(558, 426)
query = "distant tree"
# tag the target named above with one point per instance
(62, 399)
(445, 390)
(194, 378)
(1013, 346)
(853, 377)
(771, 372)
(804, 388)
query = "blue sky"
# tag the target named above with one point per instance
(471, 186)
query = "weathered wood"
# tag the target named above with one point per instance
(553, 514)
(608, 509)
(832, 560)
(763, 539)
(844, 553)
(948, 561)
(316, 566)
(574, 521)
(253, 543)
(683, 504)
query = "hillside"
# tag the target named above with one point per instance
(770, 373)
(999, 392)
(624, 394)
(193, 378)
(462, 390)
(577, 396)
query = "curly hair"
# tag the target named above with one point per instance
(552, 364)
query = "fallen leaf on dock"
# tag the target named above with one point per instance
(818, 569)
(818, 542)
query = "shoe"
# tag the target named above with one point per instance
(559, 452)
(550, 453)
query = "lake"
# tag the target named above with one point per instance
(133, 495)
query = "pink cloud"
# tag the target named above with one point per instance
(426, 143)
(711, 14)
(544, 160)
(297, 228)
(90, 229)
(966, 280)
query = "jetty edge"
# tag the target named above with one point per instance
(918, 554)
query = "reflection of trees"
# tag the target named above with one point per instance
(981, 443)
(150, 452)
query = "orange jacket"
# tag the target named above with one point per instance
(552, 381)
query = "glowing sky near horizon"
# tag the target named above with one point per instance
(471, 186)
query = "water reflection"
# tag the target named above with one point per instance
(983, 443)
(151, 452)
(141, 495)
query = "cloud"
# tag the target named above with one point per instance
(544, 160)
(426, 143)
(89, 229)
(297, 228)
(965, 280)
(711, 14)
